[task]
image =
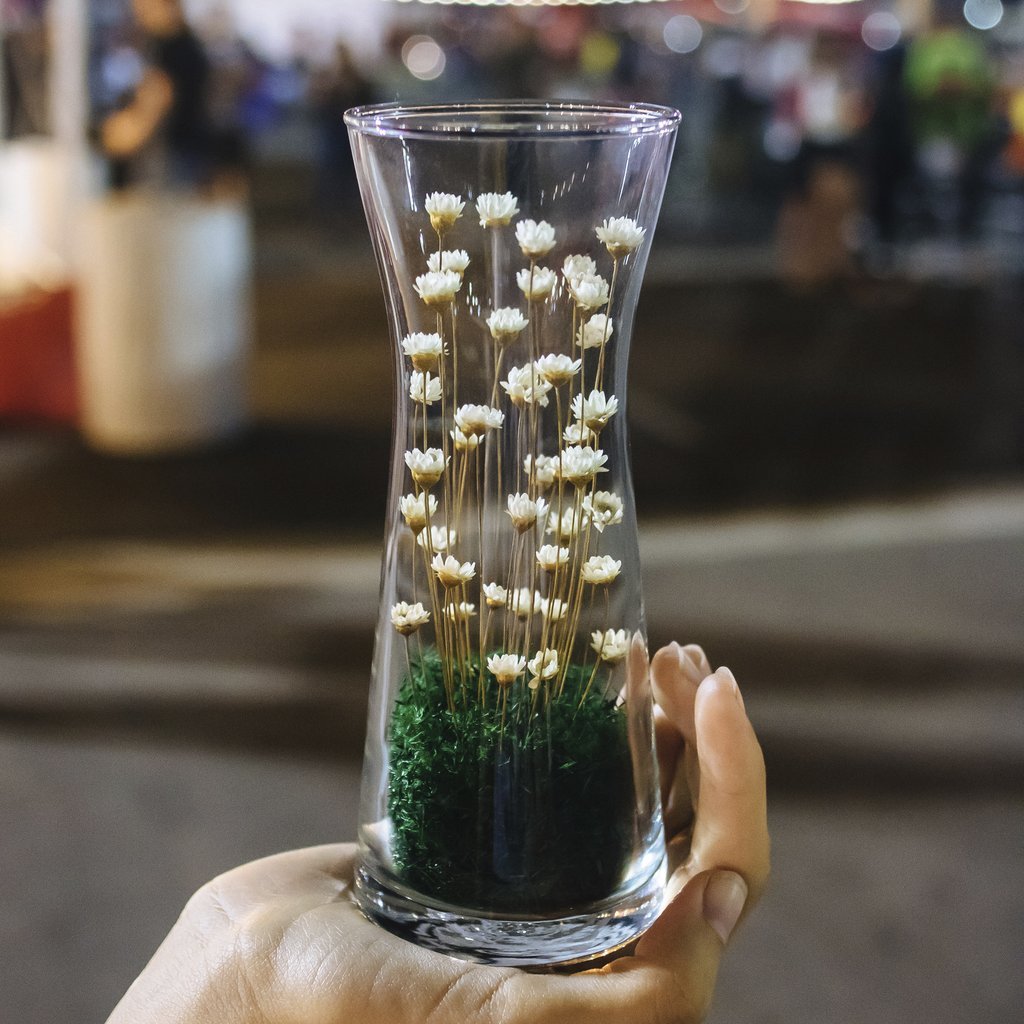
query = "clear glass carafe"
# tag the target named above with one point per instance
(510, 809)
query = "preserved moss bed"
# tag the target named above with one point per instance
(510, 805)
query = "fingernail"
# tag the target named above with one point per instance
(725, 896)
(688, 666)
(726, 675)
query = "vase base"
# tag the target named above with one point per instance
(530, 942)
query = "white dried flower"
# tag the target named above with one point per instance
(438, 287)
(595, 332)
(576, 266)
(536, 283)
(547, 469)
(535, 238)
(568, 526)
(601, 569)
(440, 539)
(476, 420)
(461, 612)
(579, 433)
(506, 323)
(450, 259)
(496, 209)
(604, 509)
(423, 388)
(524, 602)
(550, 558)
(423, 349)
(580, 465)
(444, 209)
(427, 466)
(506, 668)
(620, 235)
(464, 443)
(495, 595)
(558, 369)
(589, 291)
(524, 511)
(407, 618)
(524, 386)
(596, 410)
(611, 645)
(452, 573)
(544, 664)
(414, 508)
(555, 609)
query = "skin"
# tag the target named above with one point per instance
(127, 131)
(279, 941)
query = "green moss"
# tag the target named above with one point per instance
(533, 812)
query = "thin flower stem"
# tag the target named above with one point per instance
(575, 614)
(534, 425)
(496, 269)
(590, 609)
(599, 379)
(463, 469)
(597, 663)
(487, 627)
(468, 630)
(590, 683)
(483, 557)
(564, 636)
(445, 479)
(440, 635)
(520, 439)
(583, 361)
(455, 363)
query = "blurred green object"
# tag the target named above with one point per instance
(950, 80)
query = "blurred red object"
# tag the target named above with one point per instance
(37, 360)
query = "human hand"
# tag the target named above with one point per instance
(279, 941)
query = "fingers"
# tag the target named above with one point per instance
(671, 976)
(675, 687)
(668, 742)
(731, 829)
(675, 675)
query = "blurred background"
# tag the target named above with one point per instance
(194, 435)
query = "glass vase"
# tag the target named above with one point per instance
(510, 810)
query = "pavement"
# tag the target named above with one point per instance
(169, 708)
(185, 639)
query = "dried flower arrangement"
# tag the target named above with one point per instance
(509, 785)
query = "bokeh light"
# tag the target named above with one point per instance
(683, 33)
(423, 57)
(881, 30)
(983, 14)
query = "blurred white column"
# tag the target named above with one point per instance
(43, 179)
(69, 115)
(164, 321)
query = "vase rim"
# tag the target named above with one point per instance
(512, 119)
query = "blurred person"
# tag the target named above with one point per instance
(24, 66)
(333, 90)
(231, 74)
(888, 147)
(952, 87)
(162, 135)
(829, 110)
(814, 224)
(281, 940)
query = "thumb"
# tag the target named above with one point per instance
(689, 936)
(671, 975)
